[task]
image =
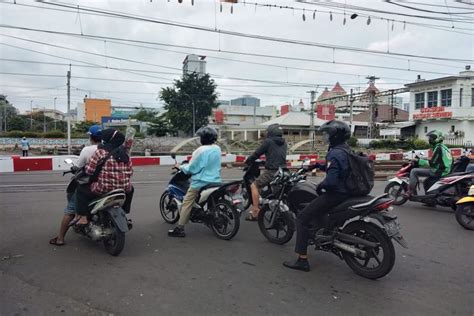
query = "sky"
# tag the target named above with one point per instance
(143, 69)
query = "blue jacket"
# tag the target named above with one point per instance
(205, 166)
(337, 170)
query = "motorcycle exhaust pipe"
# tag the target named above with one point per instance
(353, 250)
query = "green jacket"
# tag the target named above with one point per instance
(441, 161)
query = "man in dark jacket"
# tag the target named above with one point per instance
(332, 190)
(274, 148)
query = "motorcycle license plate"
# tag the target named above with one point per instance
(392, 228)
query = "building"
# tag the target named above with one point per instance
(383, 114)
(95, 109)
(51, 113)
(194, 63)
(445, 104)
(397, 102)
(235, 115)
(80, 112)
(246, 100)
(127, 111)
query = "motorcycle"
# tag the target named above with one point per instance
(107, 220)
(251, 173)
(215, 206)
(465, 210)
(359, 231)
(445, 191)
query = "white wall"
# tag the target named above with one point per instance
(445, 126)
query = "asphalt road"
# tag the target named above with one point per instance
(201, 275)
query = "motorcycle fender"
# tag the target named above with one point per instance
(400, 240)
(118, 217)
(467, 199)
(397, 180)
(380, 221)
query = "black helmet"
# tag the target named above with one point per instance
(337, 132)
(207, 134)
(274, 130)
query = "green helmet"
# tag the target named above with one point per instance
(435, 137)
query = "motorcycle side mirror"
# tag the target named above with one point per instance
(173, 155)
(68, 161)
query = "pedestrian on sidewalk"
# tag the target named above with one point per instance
(25, 146)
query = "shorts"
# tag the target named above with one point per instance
(265, 178)
(71, 204)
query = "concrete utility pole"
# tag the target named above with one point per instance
(68, 111)
(372, 109)
(55, 112)
(351, 102)
(311, 124)
(31, 115)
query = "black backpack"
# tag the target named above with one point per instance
(360, 179)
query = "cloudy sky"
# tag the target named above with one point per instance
(34, 64)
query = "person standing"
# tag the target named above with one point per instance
(25, 146)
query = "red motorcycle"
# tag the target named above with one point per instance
(444, 191)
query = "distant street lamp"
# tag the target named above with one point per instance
(55, 112)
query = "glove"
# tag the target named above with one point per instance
(315, 166)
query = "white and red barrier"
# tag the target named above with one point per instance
(48, 163)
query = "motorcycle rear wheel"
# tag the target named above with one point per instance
(168, 209)
(395, 191)
(115, 243)
(375, 234)
(465, 215)
(227, 222)
(283, 226)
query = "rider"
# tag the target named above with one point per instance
(332, 190)
(205, 169)
(95, 137)
(438, 166)
(274, 148)
(115, 174)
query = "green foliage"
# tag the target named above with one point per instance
(399, 144)
(54, 134)
(20, 134)
(352, 141)
(420, 144)
(179, 99)
(145, 115)
(160, 126)
(83, 127)
(139, 135)
(18, 123)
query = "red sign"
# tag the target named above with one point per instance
(284, 109)
(326, 111)
(431, 113)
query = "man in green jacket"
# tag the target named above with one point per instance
(438, 166)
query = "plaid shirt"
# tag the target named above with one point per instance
(114, 175)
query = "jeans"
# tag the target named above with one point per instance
(419, 172)
(316, 209)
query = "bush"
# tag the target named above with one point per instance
(352, 142)
(20, 134)
(420, 144)
(54, 134)
(139, 135)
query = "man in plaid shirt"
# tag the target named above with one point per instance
(115, 174)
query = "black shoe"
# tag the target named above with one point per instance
(176, 232)
(299, 264)
(129, 224)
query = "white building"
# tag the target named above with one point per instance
(81, 112)
(194, 63)
(445, 104)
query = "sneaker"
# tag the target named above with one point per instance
(299, 264)
(176, 232)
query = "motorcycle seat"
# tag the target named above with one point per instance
(354, 203)
(372, 202)
(211, 185)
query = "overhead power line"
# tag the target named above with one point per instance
(246, 35)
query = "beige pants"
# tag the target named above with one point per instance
(187, 206)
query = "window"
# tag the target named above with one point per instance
(453, 128)
(460, 97)
(420, 100)
(426, 129)
(432, 99)
(472, 97)
(446, 96)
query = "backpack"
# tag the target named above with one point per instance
(360, 179)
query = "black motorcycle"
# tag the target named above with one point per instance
(215, 206)
(359, 230)
(107, 220)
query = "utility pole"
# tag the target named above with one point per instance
(5, 115)
(311, 124)
(372, 108)
(31, 115)
(55, 112)
(194, 118)
(68, 111)
(392, 111)
(351, 102)
(44, 119)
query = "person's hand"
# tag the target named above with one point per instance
(176, 166)
(74, 169)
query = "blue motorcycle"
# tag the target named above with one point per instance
(215, 206)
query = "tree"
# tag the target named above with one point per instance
(6, 109)
(18, 123)
(83, 127)
(145, 115)
(160, 126)
(179, 99)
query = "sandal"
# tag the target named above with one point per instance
(55, 242)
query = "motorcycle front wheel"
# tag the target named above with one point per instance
(115, 243)
(395, 191)
(226, 221)
(465, 215)
(278, 230)
(168, 208)
(380, 260)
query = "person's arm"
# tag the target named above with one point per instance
(92, 164)
(437, 161)
(195, 166)
(333, 175)
(262, 149)
(82, 160)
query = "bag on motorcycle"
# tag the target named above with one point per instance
(360, 180)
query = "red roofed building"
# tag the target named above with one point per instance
(338, 90)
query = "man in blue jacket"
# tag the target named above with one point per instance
(205, 168)
(332, 190)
